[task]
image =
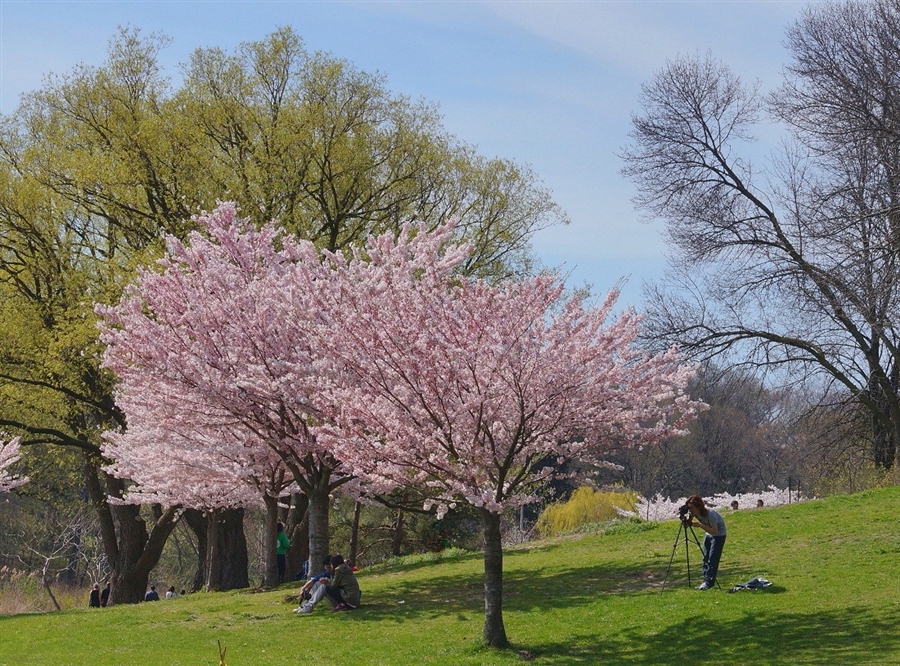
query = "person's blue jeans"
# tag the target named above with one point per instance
(712, 553)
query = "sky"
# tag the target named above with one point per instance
(548, 84)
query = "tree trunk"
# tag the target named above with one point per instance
(318, 523)
(354, 533)
(270, 574)
(397, 535)
(132, 552)
(213, 556)
(885, 413)
(138, 552)
(233, 551)
(50, 593)
(227, 559)
(494, 633)
(198, 524)
(298, 531)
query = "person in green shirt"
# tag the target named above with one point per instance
(282, 543)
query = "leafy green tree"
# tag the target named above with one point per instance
(100, 162)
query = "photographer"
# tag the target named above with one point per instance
(710, 522)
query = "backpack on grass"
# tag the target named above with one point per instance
(752, 584)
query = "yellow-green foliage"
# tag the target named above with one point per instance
(584, 507)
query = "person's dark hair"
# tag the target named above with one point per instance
(336, 560)
(697, 502)
(327, 560)
(280, 527)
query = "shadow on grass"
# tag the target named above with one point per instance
(853, 635)
(523, 590)
(836, 638)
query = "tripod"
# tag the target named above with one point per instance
(685, 535)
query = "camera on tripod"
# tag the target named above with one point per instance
(685, 536)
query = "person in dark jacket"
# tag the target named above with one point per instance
(152, 594)
(343, 593)
(104, 595)
(94, 600)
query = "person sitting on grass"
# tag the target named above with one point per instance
(343, 593)
(314, 589)
(340, 590)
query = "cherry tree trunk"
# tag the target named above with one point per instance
(197, 522)
(354, 533)
(397, 534)
(318, 524)
(227, 558)
(494, 633)
(270, 575)
(298, 522)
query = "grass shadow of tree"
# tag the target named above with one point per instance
(523, 590)
(849, 636)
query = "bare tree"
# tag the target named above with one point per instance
(55, 548)
(792, 267)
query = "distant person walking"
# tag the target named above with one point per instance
(104, 595)
(152, 594)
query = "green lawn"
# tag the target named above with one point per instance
(835, 599)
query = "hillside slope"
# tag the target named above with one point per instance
(835, 599)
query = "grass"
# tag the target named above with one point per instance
(835, 599)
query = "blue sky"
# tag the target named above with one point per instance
(550, 84)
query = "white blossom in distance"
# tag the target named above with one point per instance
(9, 456)
(659, 508)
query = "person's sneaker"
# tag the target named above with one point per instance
(340, 607)
(705, 585)
(304, 609)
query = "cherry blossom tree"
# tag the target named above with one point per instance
(465, 389)
(214, 361)
(388, 365)
(9, 456)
